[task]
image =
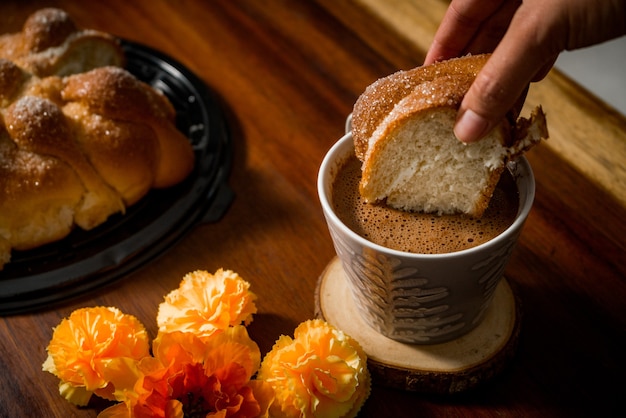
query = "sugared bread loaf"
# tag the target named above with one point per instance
(75, 150)
(403, 134)
(51, 44)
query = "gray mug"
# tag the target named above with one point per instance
(421, 298)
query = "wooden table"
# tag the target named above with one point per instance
(287, 74)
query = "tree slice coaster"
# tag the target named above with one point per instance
(445, 368)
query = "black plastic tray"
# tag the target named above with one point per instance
(86, 260)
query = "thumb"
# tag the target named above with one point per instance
(487, 102)
(502, 81)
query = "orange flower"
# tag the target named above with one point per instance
(322, 372)
(205, 303)
(93, 349)
(195, 377)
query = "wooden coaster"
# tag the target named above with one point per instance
(451, 367)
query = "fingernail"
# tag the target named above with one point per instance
(470, 127)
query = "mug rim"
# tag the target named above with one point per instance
(347, 140)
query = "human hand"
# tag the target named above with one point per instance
(526, 38)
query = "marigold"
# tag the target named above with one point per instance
(93, 349)
(320, 373)
(192, 377)
(205, 303)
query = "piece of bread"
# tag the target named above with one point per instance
(51, 44)
(74, 150)
(75, 156)
(403, 133)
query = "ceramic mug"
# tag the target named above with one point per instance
(421, 298)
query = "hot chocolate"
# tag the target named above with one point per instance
(420, 233)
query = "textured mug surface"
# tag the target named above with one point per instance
(421, 298)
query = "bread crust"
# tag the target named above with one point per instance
(118, 98)
(50, 43)
(38, 197)
(76, 149)
(380, 97)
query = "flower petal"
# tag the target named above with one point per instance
(76, 395)
(321, 372)
(86, 344)
(205, 303)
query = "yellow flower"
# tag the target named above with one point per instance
(321, 373)
(205, 303)
(93, 349)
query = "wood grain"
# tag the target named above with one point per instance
(447, 368)
(286, 74)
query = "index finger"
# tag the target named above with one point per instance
(522, 54)
(459, 26)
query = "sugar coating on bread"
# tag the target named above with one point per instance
(380, 97)
(76, 149)
(411, 159)
(38, 197)
(50, 43)
(74, 157)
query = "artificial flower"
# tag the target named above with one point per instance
(205, 303)
(93, 349)
(193, 377)
(320, 373)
